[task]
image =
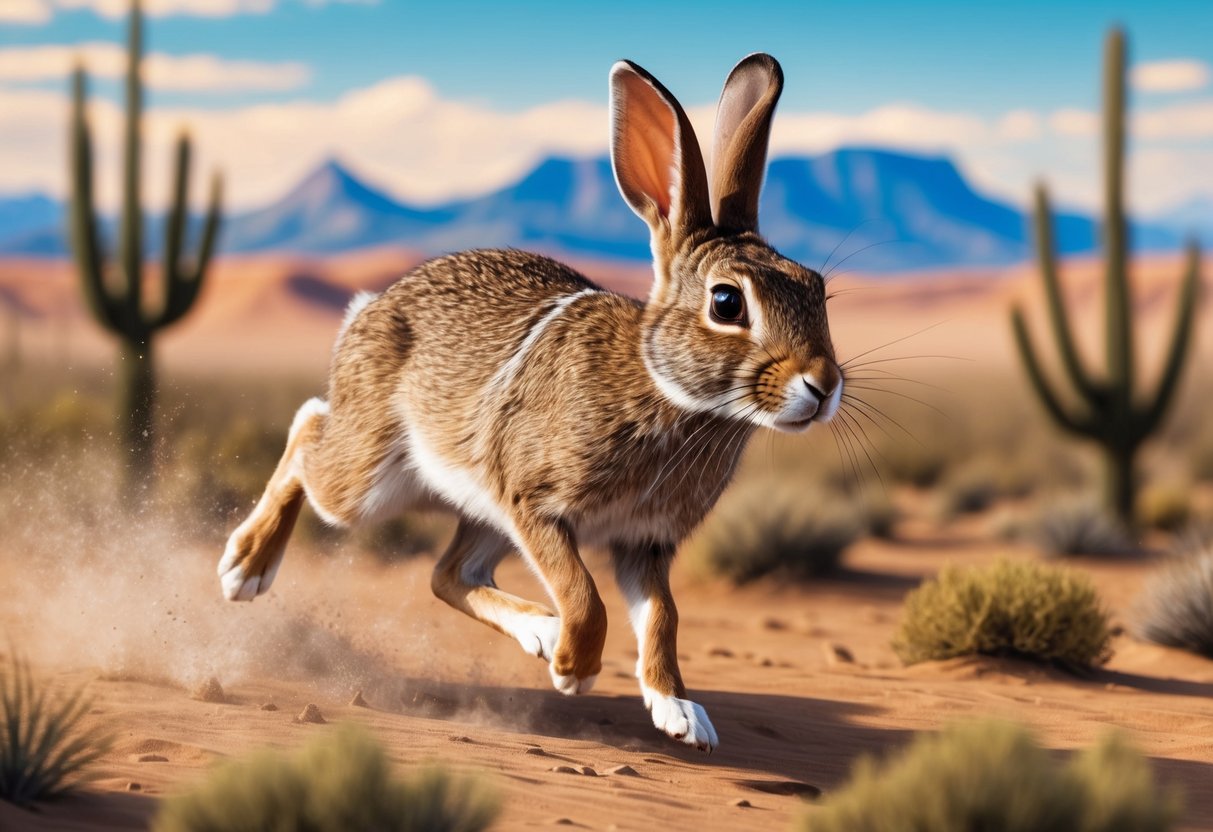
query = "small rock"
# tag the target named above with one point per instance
(134, 787)
(740, 803)
(311, 714)
(720, 652)
(773, 624)
(563, 822)
(210, 691)
(623, 771)
(765, 662)
(151, 758)
(269, 706)
(358, 701)
(459, 738)
(565, 770)
(534, 751)
(838, 654)
(587, 771)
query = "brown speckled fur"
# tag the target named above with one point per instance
(570, 438)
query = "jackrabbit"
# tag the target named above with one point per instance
(549, 413)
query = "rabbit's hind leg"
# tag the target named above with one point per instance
(463, 578)
(255, 549)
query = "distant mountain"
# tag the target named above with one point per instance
(330, 210)
(30, 222)
(880, 210)
(1192, 217)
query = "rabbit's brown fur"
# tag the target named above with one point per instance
(550, 414)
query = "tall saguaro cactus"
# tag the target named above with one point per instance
(115, 290)
(1111, 413)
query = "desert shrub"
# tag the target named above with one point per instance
(224, 468)
(1176, 606)
(1077, 527)
(339, 781)
(993, 776)
(878, 514)
(914, 463)
(44, 749)
(1013, 608)
(1167, 507)
(762, 528)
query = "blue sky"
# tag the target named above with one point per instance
(1004, 65)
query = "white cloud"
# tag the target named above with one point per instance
(1183, 75)
(405, 137)
(1074, 122)
(192, 73)
(33, 12)
(25, 12)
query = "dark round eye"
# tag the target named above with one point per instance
(728, 304)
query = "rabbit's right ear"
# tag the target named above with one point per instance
(657, 161)
(739, 143)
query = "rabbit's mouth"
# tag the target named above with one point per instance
(794, 425)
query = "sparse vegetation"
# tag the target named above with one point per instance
(993, 776)
(1013, 608)
(763, 528)
(1112, 414)
(341, 780)
(1176, 608)
(1078, 527)
(44, 748)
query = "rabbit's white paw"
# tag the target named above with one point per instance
(571, 685)
(682, 719)
(237, 584)
(536, 633)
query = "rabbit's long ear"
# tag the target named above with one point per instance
(657, 161)
(739, 145)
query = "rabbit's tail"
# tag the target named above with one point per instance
(255, 549)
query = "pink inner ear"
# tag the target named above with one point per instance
(649, 147)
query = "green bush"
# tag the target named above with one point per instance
(782, 527)
(1010, 609)
(44, 750)
(992, 776)
(339, 781)
(1176, 609)
(1167, 507)
(1078, 527)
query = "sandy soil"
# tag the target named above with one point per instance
(792, 717)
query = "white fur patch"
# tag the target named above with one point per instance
(681, 719)
(505, 374)
(357, 304)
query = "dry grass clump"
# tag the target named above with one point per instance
(782, 527)
(993, 776)
(341, 780)
(1077, 527)
(1012, 608)
(44, 749)
(1167, 507)
(1176, 607)
(977, 484)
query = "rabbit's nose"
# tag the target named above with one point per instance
(811, 383)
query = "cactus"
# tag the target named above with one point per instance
(1111, 414)
(115, 291)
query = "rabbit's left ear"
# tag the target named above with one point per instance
(739, 145)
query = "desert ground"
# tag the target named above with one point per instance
(799, 678)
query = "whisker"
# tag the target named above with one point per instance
(922, 331)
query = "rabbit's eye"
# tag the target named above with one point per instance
(728, 304)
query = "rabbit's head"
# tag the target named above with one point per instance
(731, 326)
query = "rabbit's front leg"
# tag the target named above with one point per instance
(550, 548)
(643, 574)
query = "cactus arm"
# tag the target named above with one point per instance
(1047, 257)
(174, 231)
(1149, 418)
(1023, 341)
(131, 246)
(83, 225)
(1119, 332)
(183, 289)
